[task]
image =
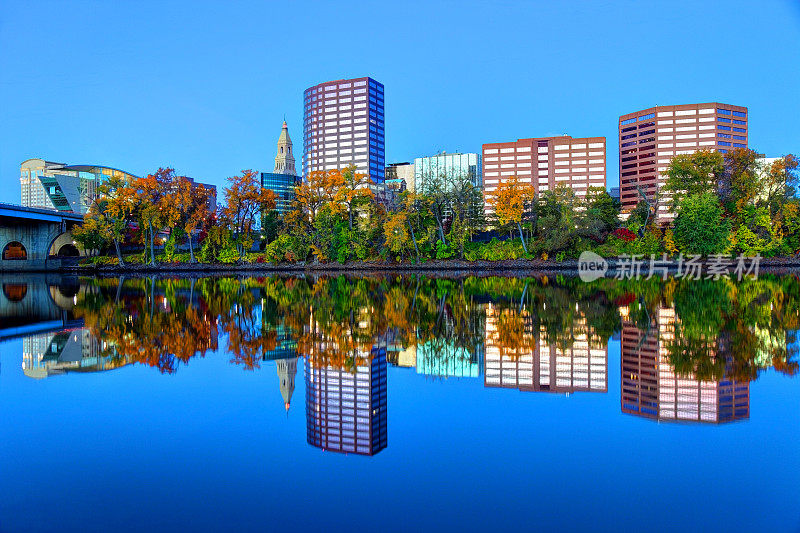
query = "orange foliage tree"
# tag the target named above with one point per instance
(245, 199)
(510, 202)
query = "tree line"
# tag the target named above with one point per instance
(723, 203)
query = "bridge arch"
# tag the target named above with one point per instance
(64, 245)
(15, 251)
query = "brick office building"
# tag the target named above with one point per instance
(546, 162)
(650, 138)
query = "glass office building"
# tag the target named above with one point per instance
(283, 186)
(49, 185)
(454, 166)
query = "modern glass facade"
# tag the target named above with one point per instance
(283, 185)
(49, 185)
(343, 124)
(451, 165)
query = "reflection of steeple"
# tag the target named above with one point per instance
(284, 161)
(287, 369)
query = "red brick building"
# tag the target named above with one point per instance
(650, 138)
(546, 162)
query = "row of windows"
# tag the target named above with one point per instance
(727, 120)
(730, 112)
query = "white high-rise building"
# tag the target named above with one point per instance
(343, 125)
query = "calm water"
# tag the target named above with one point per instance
(359, 404)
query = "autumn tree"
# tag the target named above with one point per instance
(188, 209)
(154, 209)
(245, 199)
(354, 191)
(779, 182)
(510, 201)
(740, 185)
(95, 232)
(113, 210)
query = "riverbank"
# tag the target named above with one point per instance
(782, 265)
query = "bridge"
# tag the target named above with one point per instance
(37, 303)
(33, 239)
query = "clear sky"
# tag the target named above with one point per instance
(204, 86)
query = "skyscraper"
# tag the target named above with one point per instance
(546, 162)
(283, 179)
(343, 125)
(650, 138)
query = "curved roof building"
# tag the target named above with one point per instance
(49, 185)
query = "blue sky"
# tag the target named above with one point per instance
(203, 87)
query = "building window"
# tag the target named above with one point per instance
(15, 251)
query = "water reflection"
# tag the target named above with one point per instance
(652, 388)
(689, 349)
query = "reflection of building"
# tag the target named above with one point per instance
(50, 185)
(651, 388)
(650, 138)
(343, 126)
(283, 179)
(346, 411)
(442, 359)
(72, 350)
(535, 364)
(287, 370)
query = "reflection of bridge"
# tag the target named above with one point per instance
(36, 239)
(36, 304)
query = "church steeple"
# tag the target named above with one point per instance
(284, 161)
(287, 370)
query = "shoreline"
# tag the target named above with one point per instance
(783, 265)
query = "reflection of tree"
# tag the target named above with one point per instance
(337, 321)
(735, 330)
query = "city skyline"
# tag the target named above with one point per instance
(211, 129)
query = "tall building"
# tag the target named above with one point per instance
(346, 410)
(546, 162)
(283, 179)
(539, 364)
(455, 165)
(49, 185)
(650, 138)
(343, 125)
(651, 388)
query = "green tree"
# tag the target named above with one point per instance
(701, 227)
(691, 174)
